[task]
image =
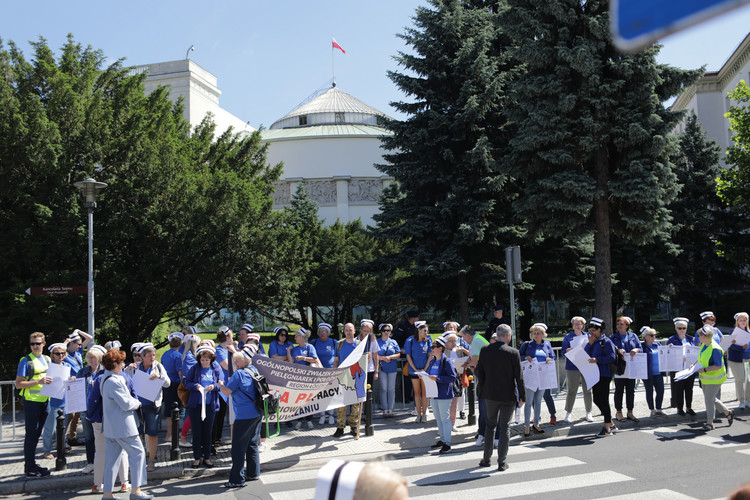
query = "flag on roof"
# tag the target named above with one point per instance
(335, 45)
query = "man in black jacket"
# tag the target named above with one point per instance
(500, 382)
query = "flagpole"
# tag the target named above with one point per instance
(333, 66)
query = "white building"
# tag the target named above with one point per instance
(330, 143)
(708, 99)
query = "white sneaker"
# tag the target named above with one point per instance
(297, 426)
(418, 419)
(322, 419)
(480, 441)
(455, 429)
(309, 424)
(331, 420)
(262, 447)
(589, 418)
(414, 413)
(567, 417)
(185, 444)
(88, 469)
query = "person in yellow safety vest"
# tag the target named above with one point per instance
(712, 374)
(31, 375)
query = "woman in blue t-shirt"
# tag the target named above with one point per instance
(58, 353)
(207, 376)
(388, 354)
(417, 350)
(278, 347)
(655, 380)
(247, 423)
(325, 348)
(737, 355)
(190, 345)
(440, 369)
(627, 342)
(541, 350)
(302, 354)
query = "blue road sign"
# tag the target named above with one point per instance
(638, 23)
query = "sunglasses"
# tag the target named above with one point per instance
(681, 328)
(58, 353)
(36, 343)
(386, 330)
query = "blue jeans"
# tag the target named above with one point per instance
(151, 419)
(550, 402)
(245, 439)
(202, 432)
(482, 422)
(651, 383)
(387, 382)
(50, 429)
(34, 414)
(533, 399)
(88, 433)
(441, 408)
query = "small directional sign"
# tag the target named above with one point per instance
(57, 290)
(638, 23)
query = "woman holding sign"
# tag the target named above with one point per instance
(682, 390)
(573, 375)
(601, 351)
(58, 352)
(655, 380)
(150, 409)
(627, 342)
(738, 356)
(712, 375)
(442, 371)
(203, 377)
(541, 350)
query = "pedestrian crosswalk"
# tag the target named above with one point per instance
(713, 440)
(533, 471)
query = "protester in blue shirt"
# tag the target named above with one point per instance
(254, 338)
(190, 344)
(171, 360)
(278, 347)
(58, 355)
(303, 353)
(681, 390)
(601, 351)
(325, 348)
(388, 355)
(541, 350)
(224, 351)
(737, 356)
(655, 380)
(247, 424)
(709, 318)
(572, 374)
(440, 369)
(89, 374)
(343, 349)
(207, 375)
(627, 342)
(150, 409)
(417, 350)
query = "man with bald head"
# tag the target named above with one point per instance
(343, 349)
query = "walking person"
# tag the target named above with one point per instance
(203, 377)
(440, 369)
(572, 374)
(454, 352)
(30, 376)
(119, 425)
(655, 380)
(601, 351)
(476, 343)
(246, 435)
(388, 354)
(712, 375)
(627, 343)
(500, 384)
(681, 390)
(738, 356)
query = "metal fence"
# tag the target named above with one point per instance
(8, 419)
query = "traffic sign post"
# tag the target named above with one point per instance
(513, 273)
(56, 290)
(636, 24)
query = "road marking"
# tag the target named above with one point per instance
(714, 441)
(430, 460)
(651, 495)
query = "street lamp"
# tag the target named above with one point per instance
(90, 188)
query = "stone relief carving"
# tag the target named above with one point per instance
(364, 190)
(281, 194)
(322, 192)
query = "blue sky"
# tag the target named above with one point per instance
(269, 56)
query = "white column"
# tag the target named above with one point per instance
(342, 197)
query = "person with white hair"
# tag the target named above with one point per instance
(682, 390)
(203, 377)
(248, 420)
(541, 350)
(738, 356)
(89, 374)
(325, 348)
(655, 380)
(712, 375)
(573, 374)
(627, 343)
(150, 409)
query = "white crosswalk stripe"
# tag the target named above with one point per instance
(709, 439)
(651, 495)
(426, 461)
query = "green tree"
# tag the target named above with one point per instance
(449, 209)
(186, 216)
(590, 122)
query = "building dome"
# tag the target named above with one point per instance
(332, 107)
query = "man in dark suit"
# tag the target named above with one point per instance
(497, 320)
(500, 383)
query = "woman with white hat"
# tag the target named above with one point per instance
(302, 354)
(655, 380)
(150, 409)
(738, 356)
(573, 375)
(171, 360)
(417, 349)
(541, 350)
(388, 353)
(440, 369)
(203, 377)
(712, 375)
(190, 344)
(682, 390)
(627, 342)
(325, 348)
(279, 347)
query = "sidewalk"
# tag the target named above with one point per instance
(396, 437)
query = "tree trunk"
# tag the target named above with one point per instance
(602, 254)
(463, 298)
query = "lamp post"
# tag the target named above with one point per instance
(90, 188)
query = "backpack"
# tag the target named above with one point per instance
(268, 401)
(617, 367)
(94, 400)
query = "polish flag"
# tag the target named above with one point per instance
(335, 45)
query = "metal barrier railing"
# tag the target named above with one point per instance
(7, 392)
